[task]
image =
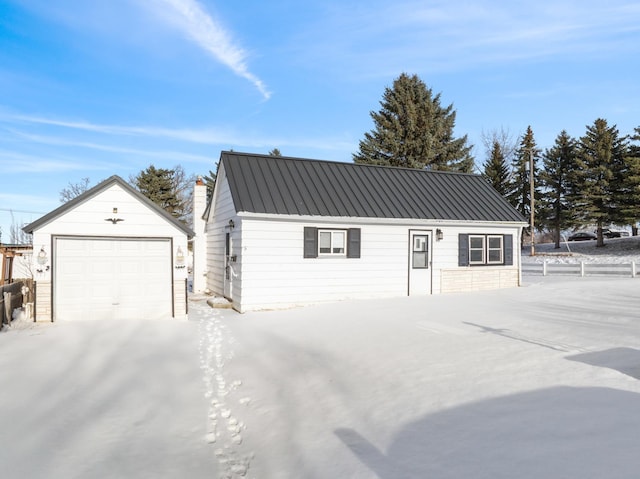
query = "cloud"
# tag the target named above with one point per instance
(206, 135)
(163, 154)
(210, 136)
(208, 33)
(444, 36)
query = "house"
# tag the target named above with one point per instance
(16, 262)
(109, 253)
(284, 231)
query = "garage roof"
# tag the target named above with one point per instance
(296, 186)
(90, 193)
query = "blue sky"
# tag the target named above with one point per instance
(92, 89)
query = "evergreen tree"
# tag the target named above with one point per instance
(166, 188)
(556, 180)
(275, 152)
(210, 182)
(630, 204)
(496, 170)
(524, 165)
(525, 157)
(413, 130)
(600, 173)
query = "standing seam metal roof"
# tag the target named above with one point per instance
(297, 186)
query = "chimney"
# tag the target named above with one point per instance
(200, 239)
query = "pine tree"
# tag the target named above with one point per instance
(496, 170)
(157, 184)
(526, 156)
(630, 184)
(600, 172)
(524, 161)
(210, 182)
(413, 130)
(275, 152)
(556, 180)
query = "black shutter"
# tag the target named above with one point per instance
(353, 243)
(310, 242)
(463, 250)
(508, 249)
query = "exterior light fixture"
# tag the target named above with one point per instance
(42, 260)
(231, 224)
(114, 220)
(42, 257)
(439, 234)
(179, 258)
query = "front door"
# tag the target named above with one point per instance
(419, 262)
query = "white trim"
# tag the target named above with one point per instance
(332, 235)
(421, 222)
(483, 249)
(489, 249)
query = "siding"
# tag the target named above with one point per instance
(272, 272)
(87, 219)
(218, 220)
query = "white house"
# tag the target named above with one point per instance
(288, 231)
(109, 253)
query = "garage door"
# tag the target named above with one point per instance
(108, 278)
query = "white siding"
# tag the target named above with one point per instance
(274, 273)
(271, 271)
(221, 212)
(87, 219)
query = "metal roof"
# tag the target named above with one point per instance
(100, 187)
(297, 186)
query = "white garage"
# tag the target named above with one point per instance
(110, 254)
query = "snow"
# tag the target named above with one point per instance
(615, 251)
(530, 382)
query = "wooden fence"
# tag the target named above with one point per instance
(580, 269)
(13, 296)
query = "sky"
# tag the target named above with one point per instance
(93, 89)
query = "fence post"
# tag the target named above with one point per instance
(7, 307)
(544, 267)
(633, 269)
(582, 269)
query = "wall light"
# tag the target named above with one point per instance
(439, 234)
(42, 260)
(42, 257)
(231, 224)
(179, 258)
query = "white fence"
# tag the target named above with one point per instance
(580, 269)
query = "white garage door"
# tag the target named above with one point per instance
(107, 278)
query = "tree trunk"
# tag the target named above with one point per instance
(600, 240)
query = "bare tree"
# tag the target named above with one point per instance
(16, 234)
(74, 189)
(501, 138)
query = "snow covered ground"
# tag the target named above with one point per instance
(538, 381)
(615, 251)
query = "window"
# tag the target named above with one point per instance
(476, 249)
(420, 252)
(484, 249)
(326, 242)
(331, 242)
(494, 250)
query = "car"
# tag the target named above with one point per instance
(614, 234)
(582, 236)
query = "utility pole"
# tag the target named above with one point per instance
(532, 199)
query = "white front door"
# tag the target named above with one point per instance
(112, 278)
(419, 262)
